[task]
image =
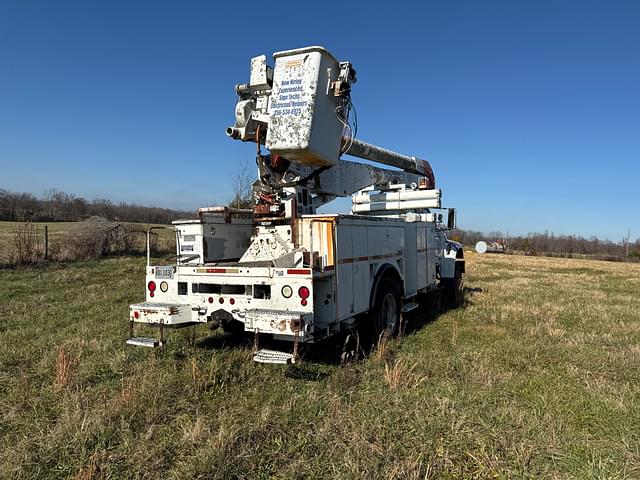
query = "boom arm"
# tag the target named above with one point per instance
(388, 157)
(300, 111)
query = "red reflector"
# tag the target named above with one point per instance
(303, 302)
(210, 299)
(151, 286)
(136, 314)
(221, 300)
(151, 294)
(303, 292)
(232, 301)
(216, 270)
(298, 271)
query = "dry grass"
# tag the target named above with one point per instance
(66, 366)
(537, 377)
(91, 471)
(383, 352)
(399, 374)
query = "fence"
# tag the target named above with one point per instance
(29, 243)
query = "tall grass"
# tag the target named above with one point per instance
(66, 365)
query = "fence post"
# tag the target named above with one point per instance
(46, 242)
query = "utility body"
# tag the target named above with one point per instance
(281, 268)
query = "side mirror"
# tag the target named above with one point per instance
(451, 219)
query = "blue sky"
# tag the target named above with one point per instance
(528, 111)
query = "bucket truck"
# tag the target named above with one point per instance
(284, 270)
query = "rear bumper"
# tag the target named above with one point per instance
(285, 324)
(282, 324)
(162, 313)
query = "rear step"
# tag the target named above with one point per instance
(273, 356)
(144, 342)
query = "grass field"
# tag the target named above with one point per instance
(537, 377)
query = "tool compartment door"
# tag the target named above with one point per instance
(411, 265)
(344, 291)
(421, 262)
(361, 271)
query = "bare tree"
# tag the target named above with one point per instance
(242, 183)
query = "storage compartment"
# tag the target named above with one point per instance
(212, 239)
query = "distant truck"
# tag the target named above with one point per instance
(281, 268)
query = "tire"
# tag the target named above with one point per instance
(385, 314)
(454, 290)
(233, 327)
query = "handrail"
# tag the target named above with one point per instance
(149, 241)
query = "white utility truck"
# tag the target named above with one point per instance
(281, 268)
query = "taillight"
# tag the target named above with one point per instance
(136, 314)
(151, 286)
(303, 292)
(232, 301)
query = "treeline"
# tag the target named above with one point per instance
(57, 206)
(555, 245)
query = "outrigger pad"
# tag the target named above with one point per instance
(143, 342)
(273, 356)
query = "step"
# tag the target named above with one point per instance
(143, 342)
(408, 307)
(273, 356)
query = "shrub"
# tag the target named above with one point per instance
(25, 245)
(93, 240)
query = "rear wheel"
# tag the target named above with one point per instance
(386, 308)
